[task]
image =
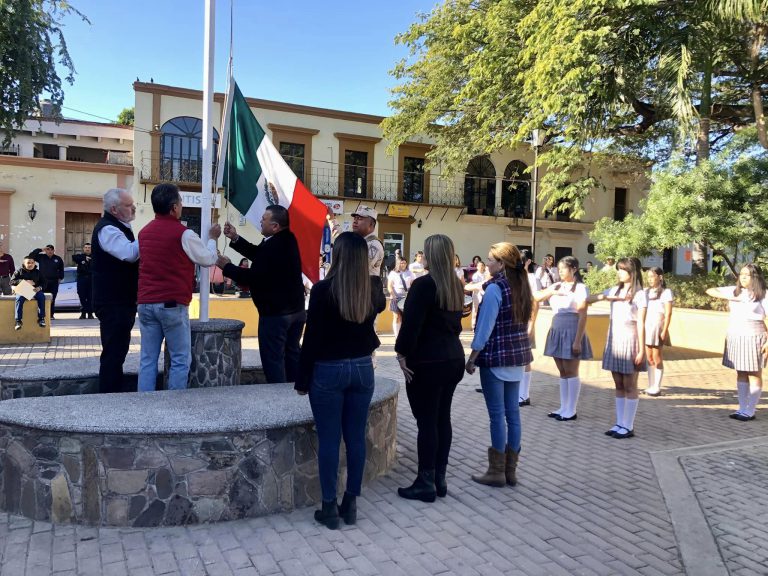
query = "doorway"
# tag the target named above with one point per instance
(78, 229)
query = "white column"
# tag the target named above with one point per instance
(62, 152)
(207, 180)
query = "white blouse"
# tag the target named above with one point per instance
(656, 305)
(744, 308)
(567, 301)
(625, 311)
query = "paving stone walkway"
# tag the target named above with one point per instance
(585, 504)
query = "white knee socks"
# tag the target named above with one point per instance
(395, 326)
(651, 379)
(630, 409)
(742, 388)
(563, 397)
(754, 398)
(525, 386)
(619, 412)
(659, 376)
(573, 387)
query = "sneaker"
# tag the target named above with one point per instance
(41, 322)
(18, 325)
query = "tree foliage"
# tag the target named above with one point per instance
(126, 116)
(642, 77)
(723, 204)
(31, 44)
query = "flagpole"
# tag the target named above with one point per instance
(207, 181)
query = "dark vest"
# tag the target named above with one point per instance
(166, 273)
(114, 281)
(508, 344)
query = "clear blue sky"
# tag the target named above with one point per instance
(332, 54)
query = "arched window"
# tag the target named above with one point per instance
(480, 186)
(181, 149)
(516, 190)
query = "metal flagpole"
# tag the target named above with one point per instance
(207, 181)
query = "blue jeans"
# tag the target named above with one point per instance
(502, 401)
(157, 322)
(279, 348)
(340, 395)
(39, 298)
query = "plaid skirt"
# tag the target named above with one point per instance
(742, 347)
(561, 336)
(653, 325)
(621, 348)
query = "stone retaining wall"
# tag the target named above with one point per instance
(146, 480)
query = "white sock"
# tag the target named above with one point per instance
(754, 398)
(620, 410)
(630, 409)
(659, 376)
(563, 396)
(395, 327)
(574, 387)
(525, 386)
(743, 391)
(651, 379)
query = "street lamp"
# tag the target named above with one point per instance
(537, 139)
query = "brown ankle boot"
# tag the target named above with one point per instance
(510, 465)
(495, 474)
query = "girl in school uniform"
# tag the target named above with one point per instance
(746, 344)
(567, 341)
(657, 321)
(624, 353)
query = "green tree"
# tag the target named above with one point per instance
(126, 116)
(31, 44)
(644, 78)
(723, 203)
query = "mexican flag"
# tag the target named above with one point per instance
(255, 175)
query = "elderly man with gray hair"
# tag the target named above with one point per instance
(115, 271)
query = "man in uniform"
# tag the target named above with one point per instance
(84, 281)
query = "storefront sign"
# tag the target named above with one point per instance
(336, 205)
(195, 200)
(398, 211)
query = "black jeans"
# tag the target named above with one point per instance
(115, 324)
(430, 394)
(279, 347)
(52, 287)
(84, 290)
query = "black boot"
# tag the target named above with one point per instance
(423, 488)
(348, 508)
(328, 515)
(441, 486)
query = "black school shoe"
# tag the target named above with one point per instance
(623, 433)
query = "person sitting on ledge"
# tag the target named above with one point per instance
(30, 274)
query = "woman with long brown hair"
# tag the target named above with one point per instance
(336, 370)
(432, 359)
(502, 349)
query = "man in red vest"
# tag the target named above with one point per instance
(169, 252)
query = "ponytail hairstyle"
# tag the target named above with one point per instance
(635, 270)
(573, 263)
(349, 278)
(655, 293)
(440, 255)
(528, 263)
(514, 271)
(756, 284)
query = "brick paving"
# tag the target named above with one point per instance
(585, 504)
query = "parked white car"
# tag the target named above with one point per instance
(67, 297)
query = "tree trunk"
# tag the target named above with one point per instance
(699, 259)
(758, 40)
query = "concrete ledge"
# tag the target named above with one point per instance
(31, 333)
(172, 457)
(81, 376)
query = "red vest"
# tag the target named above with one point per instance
(166, 274)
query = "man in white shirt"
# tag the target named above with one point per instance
(417, 266)
(115, 276)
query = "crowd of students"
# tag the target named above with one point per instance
(428, 300)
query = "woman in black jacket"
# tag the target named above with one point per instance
(432, 359)
(336, 370)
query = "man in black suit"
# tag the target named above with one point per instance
(277, 291)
